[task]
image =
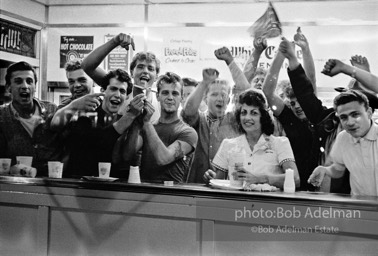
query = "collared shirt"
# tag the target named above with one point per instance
(45, 144)
(211, 133)
(267, 157)
(360, 156)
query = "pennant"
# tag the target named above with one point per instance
(267, 26)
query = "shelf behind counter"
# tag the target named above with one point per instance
(44, 216)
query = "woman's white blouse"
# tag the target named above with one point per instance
(268, 154)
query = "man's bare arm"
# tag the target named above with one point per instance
(92, 62)
(259, 44)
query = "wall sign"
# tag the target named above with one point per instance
(118, 57)
(17, 39)
(178, 50)
(74, 47)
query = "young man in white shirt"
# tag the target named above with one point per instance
(355, 148)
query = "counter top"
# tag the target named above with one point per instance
(193, 190)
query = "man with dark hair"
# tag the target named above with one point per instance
(144, 69)
(324, 118)
(301, 133)
(25, 122)
(355, 148)
(169, 144)
(92, 126)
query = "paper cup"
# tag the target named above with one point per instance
(134, 176)
(232, 174)
(25, 160)
(55, 169)
(237, 159)
(104, 170)
(5, 164)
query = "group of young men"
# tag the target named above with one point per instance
(131, 123)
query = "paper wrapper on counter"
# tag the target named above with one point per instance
(23, 171)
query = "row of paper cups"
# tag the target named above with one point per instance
(24, 167)
(24, 163)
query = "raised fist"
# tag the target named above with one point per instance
(300, 39)
(333, 67)
(260, 44)
(124, 41)
(209, 75)
(360, 62)
(287, 48)
(224, 54)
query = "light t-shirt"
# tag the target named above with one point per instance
(360, 157)
(29, 123)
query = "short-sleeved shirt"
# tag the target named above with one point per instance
(267, 157)
(211, 133)
(168, 133)
(360, 156)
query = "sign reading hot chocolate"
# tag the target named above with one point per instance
(17, 39)
(74, 47)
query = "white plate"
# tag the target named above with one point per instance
(93, 178)
(224, 184)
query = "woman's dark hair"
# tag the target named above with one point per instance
(122, 76)
(256, 99)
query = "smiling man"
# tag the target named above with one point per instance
(212, 126)
(169, 144)
(92, 126)
(303, 136)
(79, 82)
(24, 129)
(355, 148)
(144, 69)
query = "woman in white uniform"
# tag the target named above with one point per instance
(266, 157)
